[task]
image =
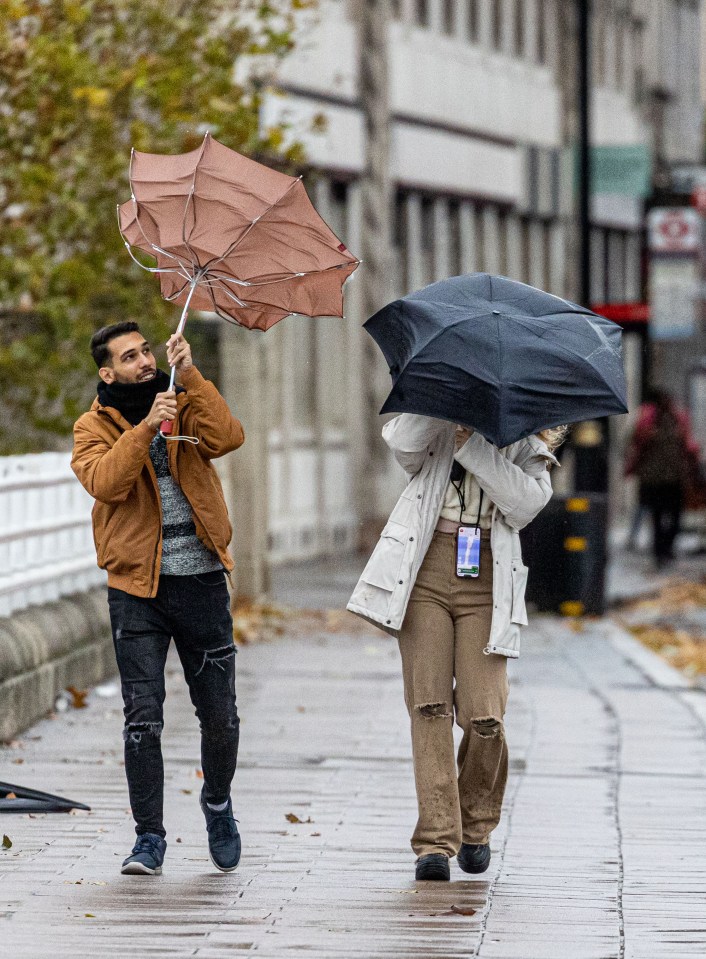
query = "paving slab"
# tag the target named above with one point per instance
(601, 852)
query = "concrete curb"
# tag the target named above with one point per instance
(46, 648)
(648, 662)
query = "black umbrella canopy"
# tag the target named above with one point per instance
(499, 356)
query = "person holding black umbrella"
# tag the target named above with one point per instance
(455, 623)
(485, 370)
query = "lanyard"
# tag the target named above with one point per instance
(462, 493)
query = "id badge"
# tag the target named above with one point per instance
(468, 551)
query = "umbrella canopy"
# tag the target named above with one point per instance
(233, 237)
(498, 356)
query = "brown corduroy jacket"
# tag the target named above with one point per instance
(111, 459)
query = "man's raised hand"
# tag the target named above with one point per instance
(163, 408)
(179, 352)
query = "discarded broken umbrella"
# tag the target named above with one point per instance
(20, 799)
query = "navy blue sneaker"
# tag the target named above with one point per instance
(223, 836)
(146, 857)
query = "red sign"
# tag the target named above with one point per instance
(675, 229)
(698, 198)
(624, 312)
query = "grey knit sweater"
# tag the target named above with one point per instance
(183, 553)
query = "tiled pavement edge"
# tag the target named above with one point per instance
(601, 852)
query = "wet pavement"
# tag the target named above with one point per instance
(601, 852)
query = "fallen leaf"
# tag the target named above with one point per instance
(10, 796)
(178, 839)
(460, 911)
(187, 792)
(18, 762)
(291, 817)
(78, 697)
(89, 915)
(6, 842)
(316, 834)
(199, 774)
(301, 709)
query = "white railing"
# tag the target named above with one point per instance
(46, 543)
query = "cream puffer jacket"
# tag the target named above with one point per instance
(516, 479)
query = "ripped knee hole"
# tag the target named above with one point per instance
(488, 727)
(133, 732)
(218, 657)
(435, 711)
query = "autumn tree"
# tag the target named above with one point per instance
(81, 82)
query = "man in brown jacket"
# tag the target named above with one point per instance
(161, 531)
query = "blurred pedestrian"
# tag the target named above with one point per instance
(447, 579)
(661, 455)
(161, 531)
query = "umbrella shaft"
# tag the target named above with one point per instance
(180, 328)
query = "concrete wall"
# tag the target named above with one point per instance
(46, 648)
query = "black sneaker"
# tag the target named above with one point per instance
(223, 836)
(433, 866)
(146, 857)
(474, 857)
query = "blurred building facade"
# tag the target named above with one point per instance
(469, 106)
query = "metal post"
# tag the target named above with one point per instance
(376, 210)
(584, 150)
(590, 442)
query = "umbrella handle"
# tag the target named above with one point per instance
(166, 426)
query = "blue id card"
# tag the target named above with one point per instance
(468, 551)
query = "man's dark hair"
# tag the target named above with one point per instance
(101, 339)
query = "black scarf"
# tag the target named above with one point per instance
(133, 400)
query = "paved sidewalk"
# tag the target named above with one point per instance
(601, 852)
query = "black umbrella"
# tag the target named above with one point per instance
(499, 356)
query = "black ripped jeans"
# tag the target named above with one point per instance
(194, 610)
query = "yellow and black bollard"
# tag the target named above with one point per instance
(565, 549)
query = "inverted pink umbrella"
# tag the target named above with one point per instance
(233, 237)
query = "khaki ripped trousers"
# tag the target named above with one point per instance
(446, 627)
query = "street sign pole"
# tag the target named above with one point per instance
(584, 150)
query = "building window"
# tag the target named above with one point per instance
(427, 224)
(449, 16)
(455, 266)
(519, 28)
(401, 243)
(422, 12)
(496, 24)
(428, 237)
(547, 253)
(541, 31)
(473, 21)
(525, 255)
(599, 46)
(503, 267)
(480, 263)
(620, 52)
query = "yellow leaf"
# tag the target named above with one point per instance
(292, 817)
(6, 842)
(94, 96)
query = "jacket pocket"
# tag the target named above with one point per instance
(519, 584)
(384, 565)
